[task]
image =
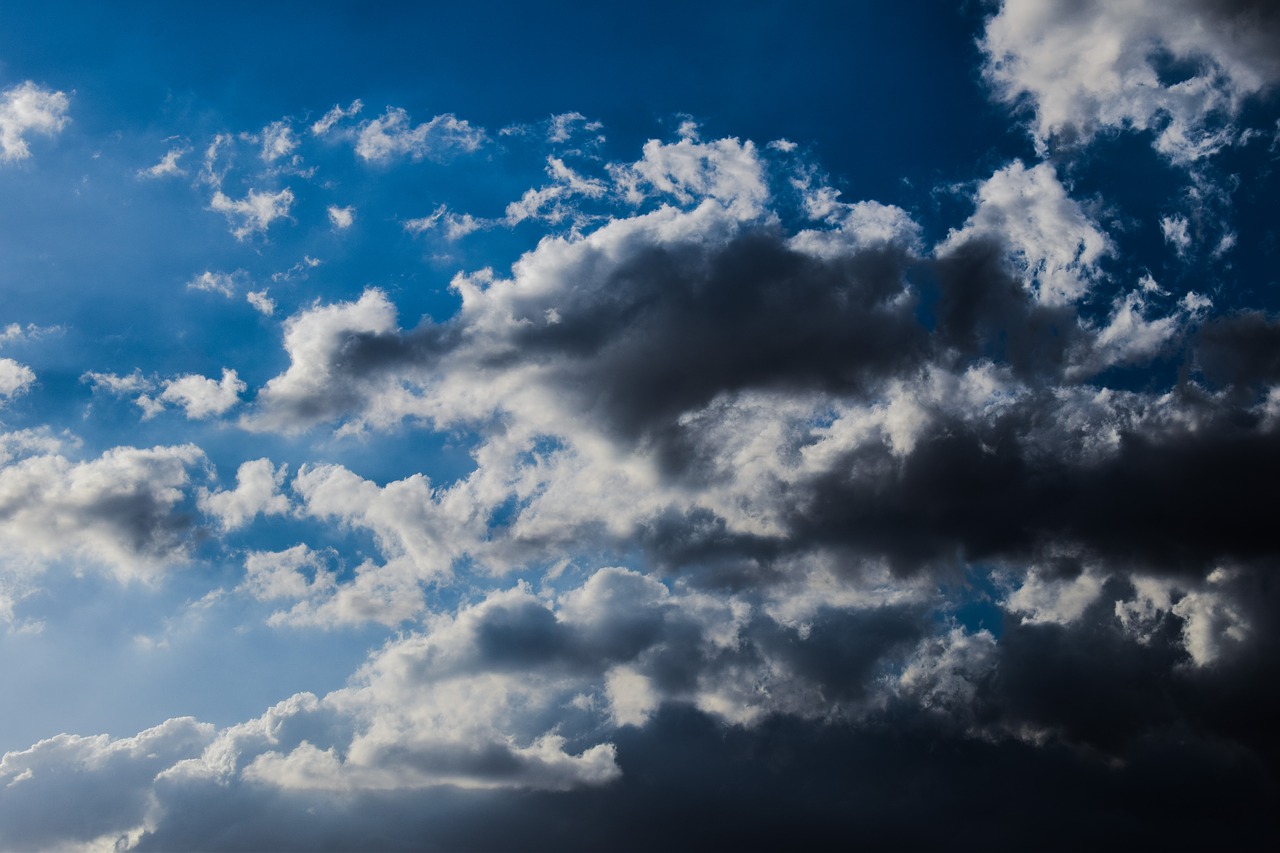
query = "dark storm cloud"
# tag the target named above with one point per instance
(1241, 349)
(670, 328)
(690, 783)
(1164, 503)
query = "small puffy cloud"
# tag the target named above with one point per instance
(255, 212)
(167, 167)
(1099, 65)
(1055, 597)
(112, 383)
(335, 115)
(257, 492)
(727, 170)
(341, 217)
(202, 397)
(15, 379)
(278, 140)
(1177, 232)
(1046, 234)
(261, 302)
(294, 574)
(26, 109)
(393, 134)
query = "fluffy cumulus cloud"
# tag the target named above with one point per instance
(15, 378)
(254, 213)
(736, 494)
(28, 109)
(1182, 70)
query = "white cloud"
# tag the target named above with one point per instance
(278, 141)
(202, 397)
(1048, 236)
(335, 115)
(257, 492)
(1177, 232)
(112, 383)
(15, 333)
(456, 225)
(550, 203)
(214, 282)
(727, 170)
(563, 127)
(298, 270)
(15, 379)
(255, 212)
(294, 574)
(115, 511)
(261, 303)
(167, 167)
(106, 781)
(341, 217)
(1095, 65)
(25, 109)
(392, 134)
(1043, 598)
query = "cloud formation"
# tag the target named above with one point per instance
(26, 109)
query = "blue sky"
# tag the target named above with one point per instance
(420, 414)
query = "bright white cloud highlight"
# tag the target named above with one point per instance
(393, 134)
(202, 397)
(15, 379)
(341, 217)
(26, 109)
(255, 212)
(1048, 236)
(1097, 65)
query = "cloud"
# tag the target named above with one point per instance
(726, 170)
(392, 134)
(16, 333)
(120, 511)
(202, 397)
(341, 217)
(107, 779)
(564, 126)
(257, 492)
(1054, 244)
(15, 379)
(167, 167)
(278, 140)
(255, 212)
(261, 303)
(1182, 70)
(214, 282)
(335, 115)
(25, 109)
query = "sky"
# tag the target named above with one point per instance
(574, 426)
